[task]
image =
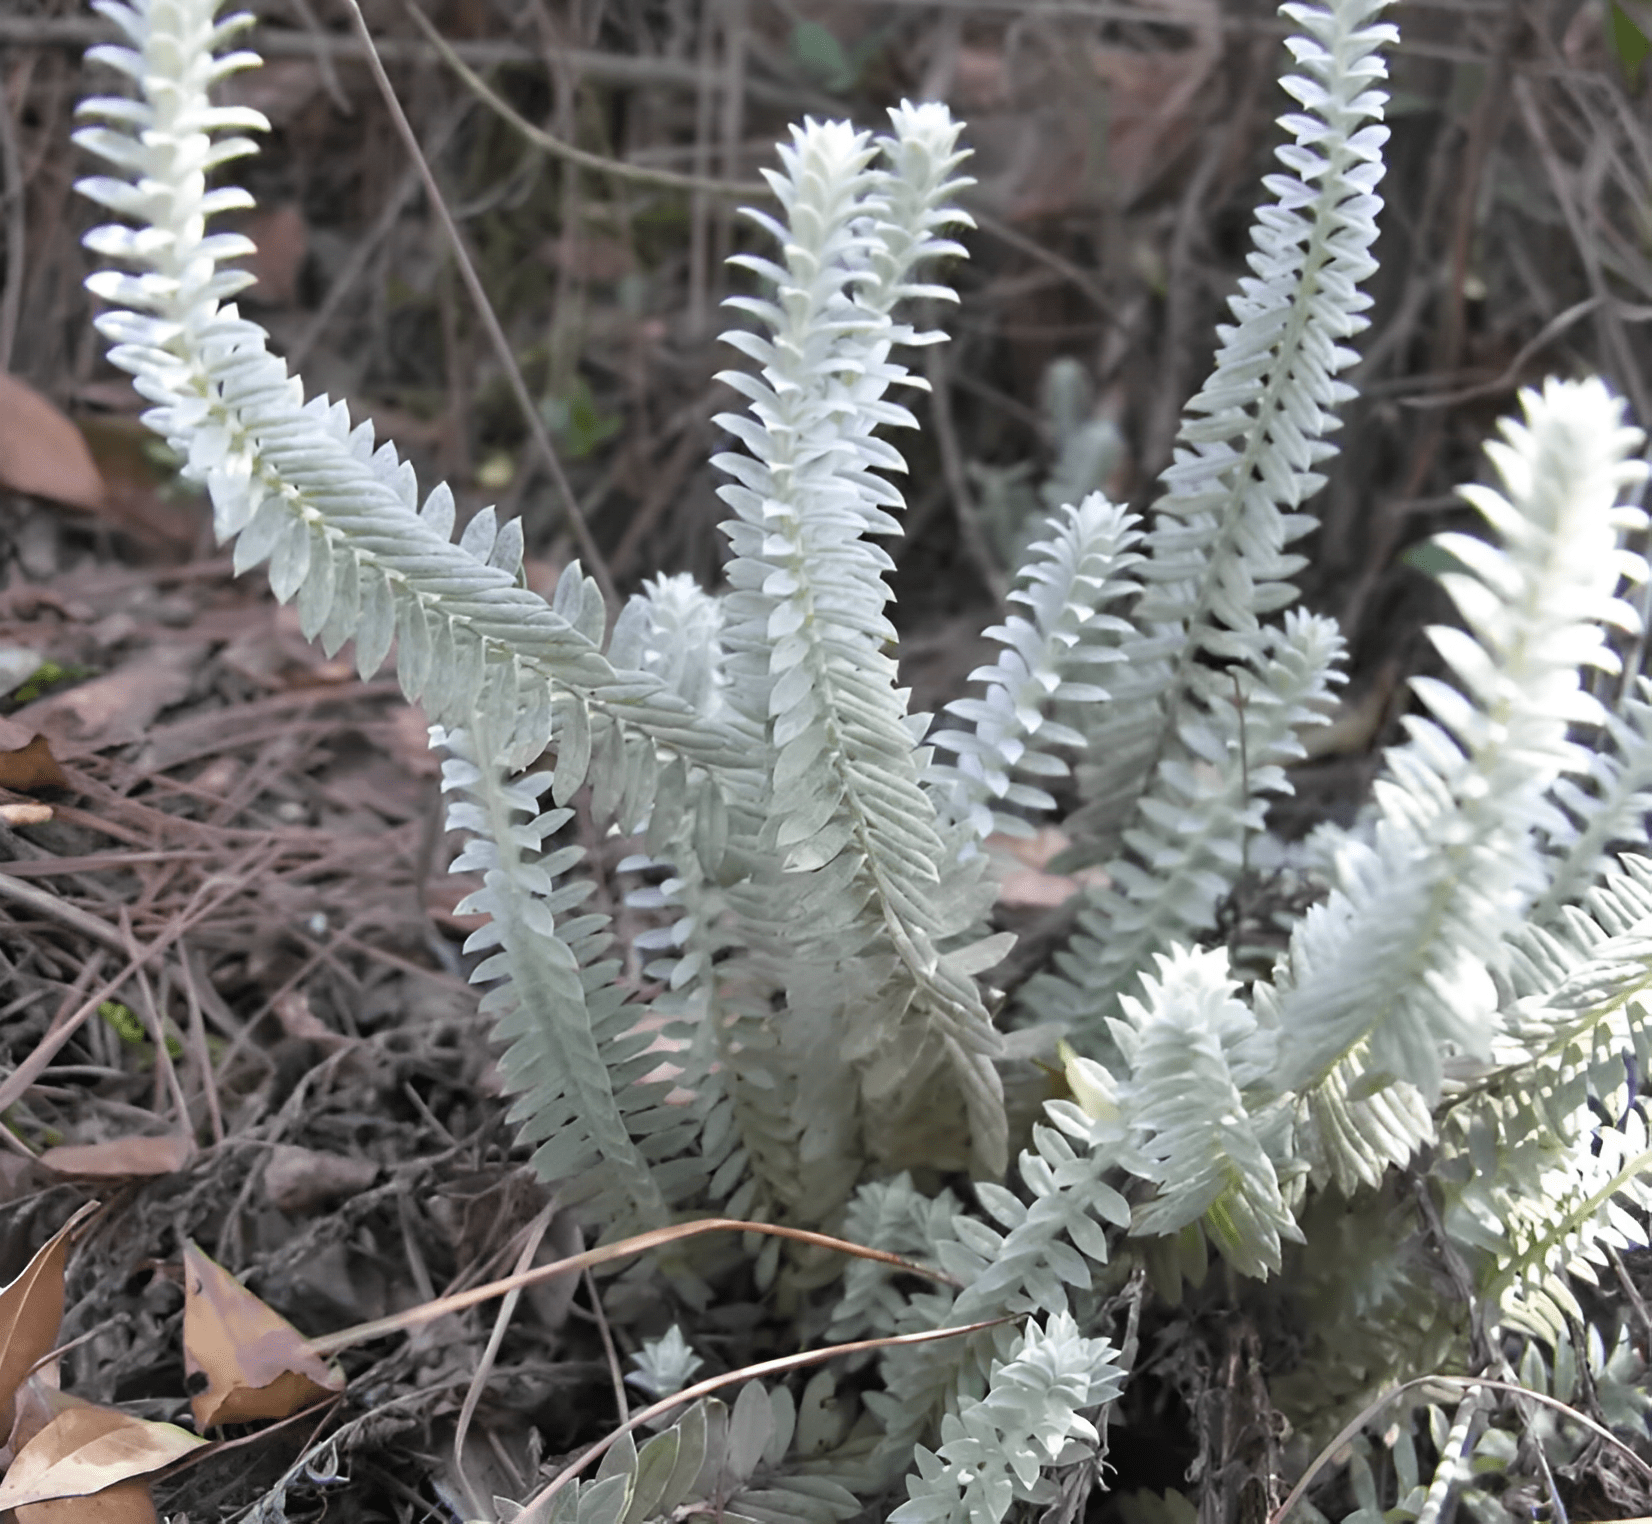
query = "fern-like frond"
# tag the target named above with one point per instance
(673, 628)
(1252, 437)
(806, 635)
(577, 1052)
(1023, 1265)
(1542, 1160)
(1391, 974)
(1608, 807)
(1544, 1203)
(1056, 653)
(1187, 847)
(338, 520)
(994, 1448)
(1580, 981)
(892, 1215)
(1202, 1123)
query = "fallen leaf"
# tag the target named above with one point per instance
(25, 814)
(1027, 885)
(42, 453)
(410, 742)
(87, 1449)
(26, 760)
(281, 89)
(441, 903)
(1030, 851)
(283, 242)
(297, 1179)
(38, 1401)
(256, 1364)
(118, 707)
(980, 81)
(138, 501)
(124, 1503)
(122, 1157)
(1356, 721)
(17, 665)
(31, 1313)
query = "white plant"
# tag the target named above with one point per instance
(823, 958)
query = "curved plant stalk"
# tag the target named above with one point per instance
(591, 1259)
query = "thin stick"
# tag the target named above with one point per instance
(166, 1074)
(581, 531)
(44, 902)
(323, 59)
(198, 1049)
(641, 1243)
(699, 212)
(952, 468)
(484, 1368)
(637, 174)
(1609, 324)
(732, 15)
(1636, 1300)
(615, 1374)
(1507, 379)
(11, 162)
(1065, 268)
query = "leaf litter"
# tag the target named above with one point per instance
(85, 1448)
(244, 1360)
(31, 1313)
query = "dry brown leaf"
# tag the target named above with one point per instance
(297, 1179)
(19, 1177)
(283, 241)
(120, 706)
(31, 1313)
(1356, 721)
(1027, 885)
(138, 503)
(124, 1503)
(87, 1449)
(121, 1157)
(441, 903)
(38, 1402)
(410, 742)
(281, 89)
(980, 81)
(26, 760)
(256, 1364)
(42, 453)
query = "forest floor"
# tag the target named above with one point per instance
(233, 1003)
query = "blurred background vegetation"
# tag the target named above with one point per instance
(1118, 145)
